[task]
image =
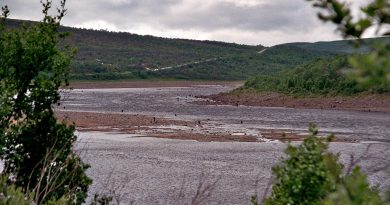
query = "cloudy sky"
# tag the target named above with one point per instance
(266, 22)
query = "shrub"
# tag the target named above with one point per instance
(308, 175)
(36, 149)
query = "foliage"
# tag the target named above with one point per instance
(354, 189)
(376, 15)
(12, 195)
(308, 175)
(323, 77)
(373, 69)
(36, 149)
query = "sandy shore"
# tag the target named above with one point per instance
(363, 102)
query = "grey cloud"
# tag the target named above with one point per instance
(192, 18)
(279, 15)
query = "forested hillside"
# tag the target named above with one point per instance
(318, 77)
(104, 55)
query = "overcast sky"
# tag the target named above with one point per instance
(266, 22)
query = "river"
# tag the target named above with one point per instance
(164, 171)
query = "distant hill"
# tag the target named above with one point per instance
(104, 55)
(343, 46)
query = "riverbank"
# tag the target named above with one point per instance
(361, 102)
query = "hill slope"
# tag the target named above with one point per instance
(340, 47)
(116, 55)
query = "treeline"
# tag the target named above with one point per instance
(318, 77)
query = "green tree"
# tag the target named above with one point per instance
(35, 147)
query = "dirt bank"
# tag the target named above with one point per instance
(363, 102)
(149, 84)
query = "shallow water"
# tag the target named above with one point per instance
(162, 171)
(176, 103)
(152, 171)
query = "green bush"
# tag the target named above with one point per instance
(35, 148)
(308, 175)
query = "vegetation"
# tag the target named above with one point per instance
(307, 176)
(112, 55)
(243, 66)
(36, 149)
(104, 55)
(321, 77)
(42, 168)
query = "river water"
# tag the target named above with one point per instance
(164, 171)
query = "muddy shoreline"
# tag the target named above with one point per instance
(148, 126)
(363, 102)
